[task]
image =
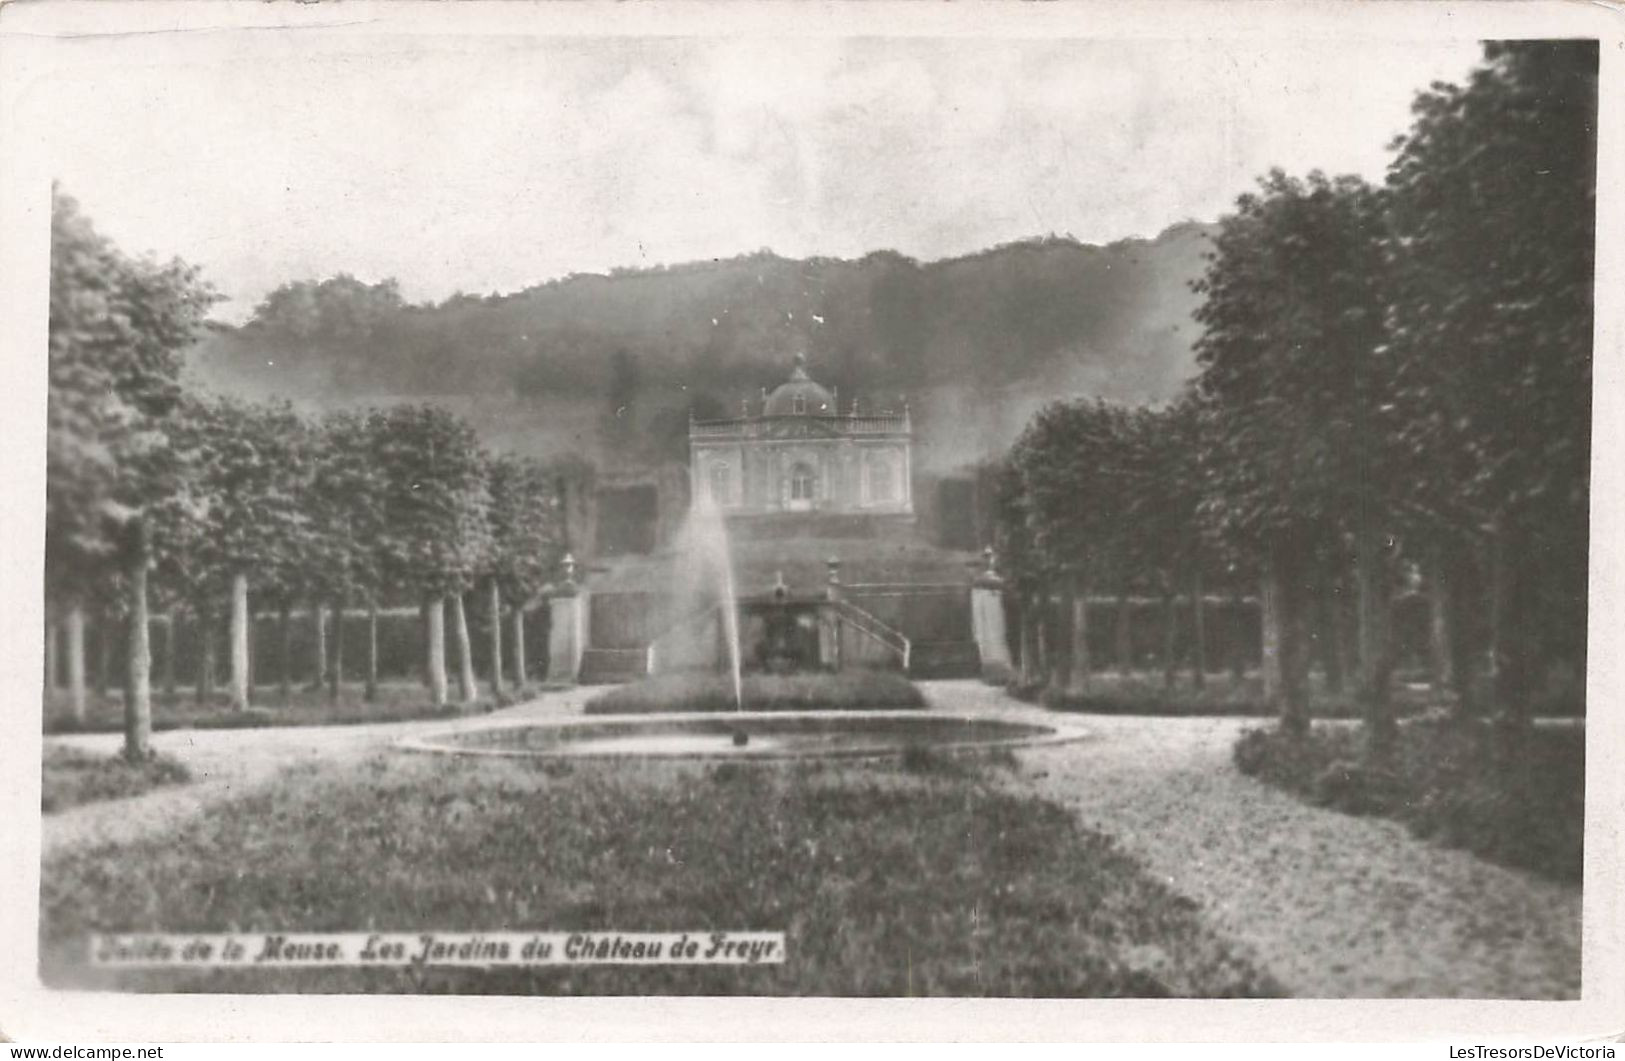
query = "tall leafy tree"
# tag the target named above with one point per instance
(256, 525)
(117, 328)
(1160, 523)
(436, 496)
(1492, 202)
(1076, 469)
(346, 502)
(1296, 371)
(527, 538)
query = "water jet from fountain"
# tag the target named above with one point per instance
(708, 557)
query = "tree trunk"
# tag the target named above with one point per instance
(1125, 636)
(1294, 650)
(1329, 634)
(1510, 648)
(205, 662)
(1078, 673)
(253, 649)
(1441, 676)
(171, 640)
(104, 654)
(1170, 633)
(284, 626)
(1286, 648)
(434, 631)
(1041, 639)
(138, 708)
(496, 638)
(1269, 635)
(239, 642)
(1461, 581)
(520, 678)
(335, 676)
(467, 690)
(1031, 673)
(371, 692)
(1198, 630)
(76, 661)
(1346, 624)
(1449, 639)
(1057, 646)
(1376, 639)
(423, 624)
(318, 618)
(1236, 643)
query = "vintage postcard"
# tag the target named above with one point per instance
(986, 504)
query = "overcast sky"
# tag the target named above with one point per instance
(487, 164)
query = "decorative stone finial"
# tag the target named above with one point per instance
(989, 577)
(780, 590)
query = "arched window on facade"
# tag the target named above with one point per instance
(803, 486)
(798, 404)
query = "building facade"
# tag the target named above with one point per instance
(798, 453)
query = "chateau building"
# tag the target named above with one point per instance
(799, 453)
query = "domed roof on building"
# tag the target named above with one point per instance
(814, 399)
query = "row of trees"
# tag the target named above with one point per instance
(1391, 378)
(157, 494)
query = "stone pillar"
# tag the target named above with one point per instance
(987, 622)
(829, 626)
(567, 633)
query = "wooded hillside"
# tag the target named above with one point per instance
(976, 343)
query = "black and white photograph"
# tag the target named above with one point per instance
(745, 500)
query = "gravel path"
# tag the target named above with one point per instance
(227, 763)
(1333, 905)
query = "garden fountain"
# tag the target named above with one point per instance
(791, 630)
(705, 546)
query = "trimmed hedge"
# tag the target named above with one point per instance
(1515, 797)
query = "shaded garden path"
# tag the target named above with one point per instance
(1333, 905)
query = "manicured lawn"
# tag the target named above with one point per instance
(886, 879)
(396, 702)
(1143, 693)
(1516, 799)
(72, 777)
(851, 690)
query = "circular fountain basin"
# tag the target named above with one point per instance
(817, 734)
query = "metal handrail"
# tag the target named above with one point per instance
(866, 623)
